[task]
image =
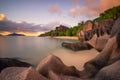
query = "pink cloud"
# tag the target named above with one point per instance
(75, 2)
(106, 4)
(92, 8)
(55, 9)
(75, 11)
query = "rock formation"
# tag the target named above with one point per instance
(99, 28)
(106, 65)
(61, 28)
(53, 63)
(20, 73)
(77, 46)
(12, 62)
(95, 34)
(54, 76)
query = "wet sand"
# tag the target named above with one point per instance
(77, 59)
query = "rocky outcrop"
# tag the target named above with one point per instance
(99, 28)
(77, 46)
(54, 76)
(12, 62)
(53, 63)
(61, 28)
(98, 42)
(93, 35)
(88, 25)
(111, 72)
(53, 33)
(20, 73)
(105, 66)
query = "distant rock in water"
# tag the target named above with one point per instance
(16, 34)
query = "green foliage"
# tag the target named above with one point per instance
(112, 13)
(68, 32)
(49, 33)
(61, 34)
(75, 29)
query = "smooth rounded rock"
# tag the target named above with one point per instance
(20, 73)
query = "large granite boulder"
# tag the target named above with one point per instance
(12, 62)
(53, 63)
(102, 30)
(99, 28)
(111, 72)
(54, 76)
(88, 25)
(99, 42)
(105, 66)
(116, 28)
(20, 73)
(77, 46)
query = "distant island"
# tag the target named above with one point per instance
(16, 34)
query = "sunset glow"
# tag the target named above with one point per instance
(25, 33)
(2, 17)
(30, 34)
(33, 17)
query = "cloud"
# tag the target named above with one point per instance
(75, 2)
(55, 9)
(92, 8)
(75, 11)
(22, 26)
(105, 4)
(10, 26)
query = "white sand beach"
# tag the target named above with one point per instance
(77, 59)
(67, 37)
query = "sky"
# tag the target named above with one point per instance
(32, 17)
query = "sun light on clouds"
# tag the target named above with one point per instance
(92, 8)
(5, 33)
(55, 8)
(30, 34)
(2, 17)
(8, 26)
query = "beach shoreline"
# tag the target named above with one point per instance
(65, 37)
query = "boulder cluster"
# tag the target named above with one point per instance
(94, 35)
(105, 66)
